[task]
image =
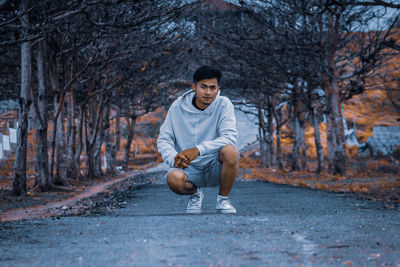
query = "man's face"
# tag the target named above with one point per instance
(206, 91)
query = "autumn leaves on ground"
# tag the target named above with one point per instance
(372, 177)
(375, 178)
(143, 156)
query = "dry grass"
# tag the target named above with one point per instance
(371, 182)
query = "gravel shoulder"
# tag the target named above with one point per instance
(100, 196)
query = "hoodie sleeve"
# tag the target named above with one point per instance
(226, 130)
(166, 140)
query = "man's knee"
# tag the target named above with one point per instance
(175, 179)
(229, 154)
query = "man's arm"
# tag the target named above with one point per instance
(166, 141)
(166, 146)
(226, 130)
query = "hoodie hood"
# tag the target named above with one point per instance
(185, 101)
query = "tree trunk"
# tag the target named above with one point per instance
(91, 173)
(131, 131)
(333, 90)
(115, 148)
(104, 125)
(109, 141)
(331, 141)
(302, 143)
(263, 139)
(97, 154)
(78, 152)
(270, 135)
(60, 177)
(19, 182)
(262, 144)
(72, 168)
(89, 130)
(295, 150)
(53, 150)
(317, 139)
(263, 147)
(117, 134)
(91, 135)
(278, 118)
(296, 125)
(339, 160)
(279, 158)
(58, 157)
(43, 178)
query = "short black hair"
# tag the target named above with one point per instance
(206, 72)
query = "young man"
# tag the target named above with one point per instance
(198, 141)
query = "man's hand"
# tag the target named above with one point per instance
(183, 159)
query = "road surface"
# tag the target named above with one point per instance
(276, 225)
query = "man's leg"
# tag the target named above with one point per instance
(228, 155)
(178, 182)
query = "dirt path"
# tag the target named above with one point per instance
(82, 202)
(48, 210)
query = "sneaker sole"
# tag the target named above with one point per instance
(193, 211)
(227, 211)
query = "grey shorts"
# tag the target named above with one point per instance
(206, 176)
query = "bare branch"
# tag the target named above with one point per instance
(365, 3)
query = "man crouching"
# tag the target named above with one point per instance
(198, 141)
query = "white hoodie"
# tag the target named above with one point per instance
(187, 127)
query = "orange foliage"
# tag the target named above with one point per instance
(372, 107)
(6, 167)
(352, 152)
(369, 109)
(368, 182)
(144, 146)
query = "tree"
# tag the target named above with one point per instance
(304, 46)
(75, 44)
(19, 183)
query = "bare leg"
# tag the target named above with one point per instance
(178, 182)
(228, 155)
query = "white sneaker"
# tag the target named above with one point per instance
(194, 204)
(224, 206)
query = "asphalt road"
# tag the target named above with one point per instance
(275, 225)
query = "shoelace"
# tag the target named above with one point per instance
(225, 202)
(194, 201)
